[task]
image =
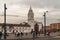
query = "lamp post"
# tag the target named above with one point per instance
(45, 23)
(5, 21)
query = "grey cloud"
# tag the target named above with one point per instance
(42, 3)
(35, 3)
(52, 15)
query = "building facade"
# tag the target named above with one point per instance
(53, 26)
(13, 28)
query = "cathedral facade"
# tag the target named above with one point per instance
(31, 20)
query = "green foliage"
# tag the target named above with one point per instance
(58, 30)
(54, 30)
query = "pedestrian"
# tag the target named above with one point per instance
(39, 33)
(0, 35)
(31, 31)
(13, 32)
(21, 34)
(34, 35)
(49, 33)
(18, 35)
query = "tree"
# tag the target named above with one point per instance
(54, 30)
(58, 32)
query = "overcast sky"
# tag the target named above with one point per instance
(20, 8)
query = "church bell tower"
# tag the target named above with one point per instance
(30, 15)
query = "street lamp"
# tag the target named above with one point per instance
(45, 23)
(5, 22)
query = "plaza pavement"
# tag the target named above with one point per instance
(29, 37)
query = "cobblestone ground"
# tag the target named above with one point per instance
(29, 37)
(12, 36)
(37, 39)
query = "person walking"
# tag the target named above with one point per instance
(0, 35)
(21, 34)
(34, 35)
(49, 33)
(18, 35)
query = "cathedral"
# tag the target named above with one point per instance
(31, 20)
